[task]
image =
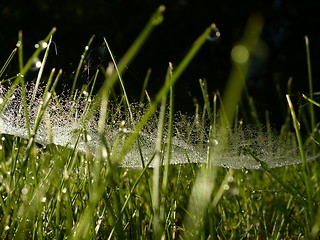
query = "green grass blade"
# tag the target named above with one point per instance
(156, 198)
(43, 63)
(306, 171)
(145, 84)
(205, 94)
(6, 64)
(311, 100)
(84, 54)
(170, 132)
(311, 108)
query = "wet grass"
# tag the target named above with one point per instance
(54, 192)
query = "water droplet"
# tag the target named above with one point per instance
(244, 170)
(226, 187)
(36, 45)
(214, 35)
(122, 123)
(44, 199)
(24, 191)
(230, 179)
(18, 44)
(1, 100)
(256, 195)
(20, 75)
(44, 45)
(86, 48)
(89, 138)
(38, 64)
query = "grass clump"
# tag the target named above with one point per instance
(88, 166)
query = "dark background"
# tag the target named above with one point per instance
(280, 55)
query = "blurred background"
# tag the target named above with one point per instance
(279, 56)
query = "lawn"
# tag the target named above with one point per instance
(91, 164)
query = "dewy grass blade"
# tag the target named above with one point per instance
(204, 90)
(84, 54)
(6, 64)
(23, 87)
(164, 191)
(43, 63)
(156, 199)
(311, 108)
(145, 84)
(311, 100)
(23, 72)
(121, 82)
(47, 118)
(306, 170)
(170, 132)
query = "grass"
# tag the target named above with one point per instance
(56, 192)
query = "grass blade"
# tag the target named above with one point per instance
(306, 171)
(6, 64)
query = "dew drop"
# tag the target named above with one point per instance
(44, 45)
(214, 35)
(122, 123)
(38, 64)
(44, 199)
(36, 45)
(24, 191)
(226, 187)
(89, 138)
(256, 195)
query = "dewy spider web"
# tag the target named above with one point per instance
(62, 124)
